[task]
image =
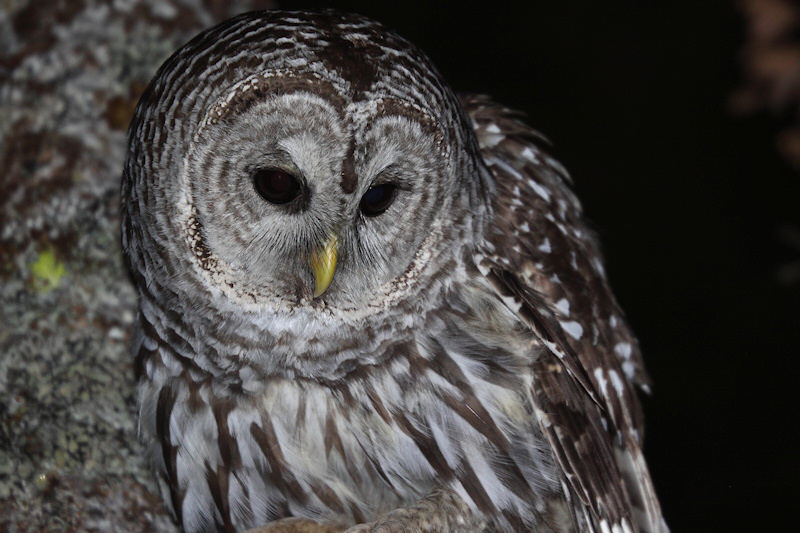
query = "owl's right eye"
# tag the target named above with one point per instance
(276, 186)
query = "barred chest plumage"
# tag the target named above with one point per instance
(447, 407)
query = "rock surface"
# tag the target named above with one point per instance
(70, 75)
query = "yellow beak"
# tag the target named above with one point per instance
(323, 263)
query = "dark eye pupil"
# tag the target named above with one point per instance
(276, 186)
(377, 199)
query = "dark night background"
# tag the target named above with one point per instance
(688, 200)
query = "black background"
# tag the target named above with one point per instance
(687, 199)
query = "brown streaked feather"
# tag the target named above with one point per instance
(327, 496)
(376, 402)
(588, 461)
(427, 445)
(217, 481)
(542, 259)
(475, 489)
(279, 473)
(166, 401)
(469, 408)
(536, 315)
(332, 438)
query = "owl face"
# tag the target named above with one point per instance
(319, 170)
(293, 182)
(294, 193)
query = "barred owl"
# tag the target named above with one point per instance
(367, 300)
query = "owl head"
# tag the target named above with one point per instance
(288, 159)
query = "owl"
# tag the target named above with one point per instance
(367, 302)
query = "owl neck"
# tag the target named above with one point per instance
(244, 349)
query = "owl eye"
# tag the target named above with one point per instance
(276, 186)
(377, 199)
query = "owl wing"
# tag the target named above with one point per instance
(545, 264)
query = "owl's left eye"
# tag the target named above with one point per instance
(276, 186)
(378, 199)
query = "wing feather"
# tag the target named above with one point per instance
(545, 264)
